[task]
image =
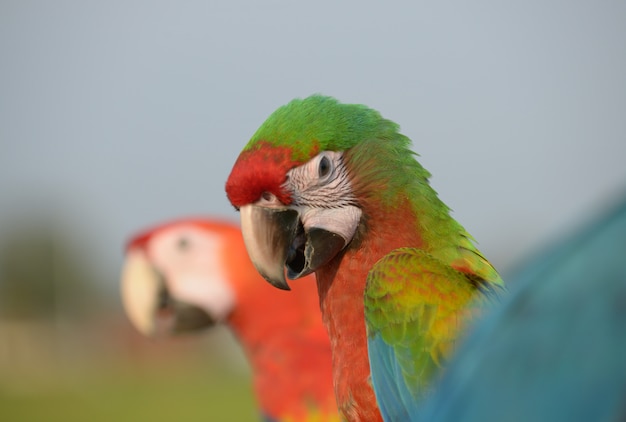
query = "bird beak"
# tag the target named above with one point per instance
(148, 303)
(275, 238)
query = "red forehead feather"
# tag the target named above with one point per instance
(262, 169)
(213, 225)
(139, 241)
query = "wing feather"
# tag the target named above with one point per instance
(415, 309)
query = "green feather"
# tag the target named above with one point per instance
(418, 306)
(320, 123)
(384, 170)
(418, 298)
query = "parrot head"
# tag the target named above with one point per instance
(173, 278)
(300, 199)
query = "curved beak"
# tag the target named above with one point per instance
(148, 303)
(276, 239)
(140, 292)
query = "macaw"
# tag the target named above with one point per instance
(189, 274)
(334, 189)
(555, 350)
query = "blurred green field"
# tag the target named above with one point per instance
(122, 397)
(111, 374)
(68, 353)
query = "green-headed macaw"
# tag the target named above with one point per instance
(334, 189)
(555, 349)
(188, 274)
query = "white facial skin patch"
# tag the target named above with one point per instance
(322, 194)
(190, 261)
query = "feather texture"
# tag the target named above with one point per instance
(282, 334)
(425, 278)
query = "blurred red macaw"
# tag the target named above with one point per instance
(188, 274)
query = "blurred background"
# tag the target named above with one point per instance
(118, 115)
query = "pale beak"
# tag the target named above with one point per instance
(140, 292)
(275, 238)
(146, 300)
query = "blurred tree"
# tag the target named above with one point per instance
(40, 276)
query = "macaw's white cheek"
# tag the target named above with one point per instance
(213, 294)
(341, 220)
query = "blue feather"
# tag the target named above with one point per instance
(556, 348)
(394, 398)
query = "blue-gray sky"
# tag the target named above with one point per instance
(120, 114)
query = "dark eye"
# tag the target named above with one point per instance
(183, 244)
(324, 167)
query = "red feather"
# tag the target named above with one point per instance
(263, 169)
(281, 332)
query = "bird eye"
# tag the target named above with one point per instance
(183, 244)
(324, 167)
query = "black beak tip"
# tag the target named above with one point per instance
(283, 286)
(278, 283)
(190, 318)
